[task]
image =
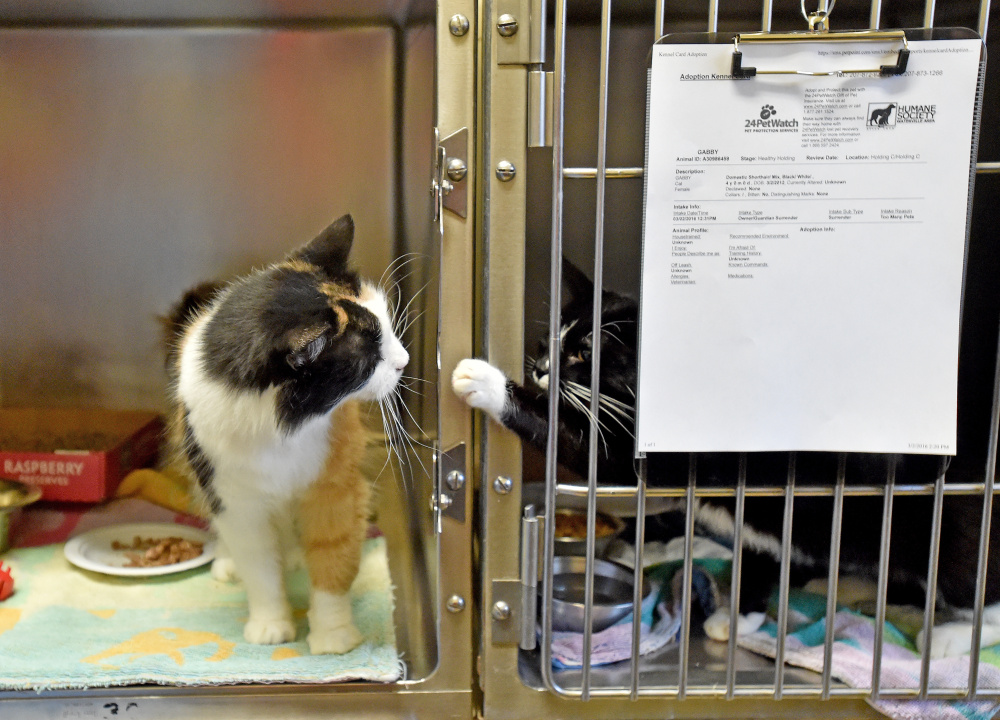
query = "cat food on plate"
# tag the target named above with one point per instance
(153, 552)
(141, 549)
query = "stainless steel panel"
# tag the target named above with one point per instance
(104, 11)
(137, 162)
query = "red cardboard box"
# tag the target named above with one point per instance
(77, 455)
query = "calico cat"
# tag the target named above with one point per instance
(266, 374)
(524, 409)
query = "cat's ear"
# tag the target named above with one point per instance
(329, 249)
(580, 286)
(305, 347)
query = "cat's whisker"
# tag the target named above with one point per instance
(394, 432)
(388, 439)
(412, 439)
(612, 407)
(416, 294)
(409, 323)
(405, 436)
(619, 417)
(578, 403)
(395, 266)
(410, 389)
(396, 289)
(616, 403)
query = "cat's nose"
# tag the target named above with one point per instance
(402, 361)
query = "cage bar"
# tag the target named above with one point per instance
(682, 672)
(984, 531)
(736, 577)
(932, 574)
(784, 578)
(834, 574)
(555, 304)
(883, 577)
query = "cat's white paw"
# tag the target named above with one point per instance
(717, 626)
(334, 640)
(481, 386)
(331, 625)
(269, 632)
(948, 639)
(224, 570)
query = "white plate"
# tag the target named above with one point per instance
(92, 550)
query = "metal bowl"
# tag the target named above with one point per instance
(13, 495)
(613, 590)
(574, 544)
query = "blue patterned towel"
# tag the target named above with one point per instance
(70, 628)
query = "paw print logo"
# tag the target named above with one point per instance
(767, 111)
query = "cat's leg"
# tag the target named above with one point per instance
(246, 529)
(955, 638)
(334, 523)
(223, 567)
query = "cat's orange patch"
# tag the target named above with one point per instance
(334, 511)
(300, 266)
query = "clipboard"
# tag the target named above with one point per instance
(802, 274)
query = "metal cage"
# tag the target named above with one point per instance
(562, 113)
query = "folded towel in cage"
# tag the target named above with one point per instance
(69, 628)
(852, 660)
(614, 644)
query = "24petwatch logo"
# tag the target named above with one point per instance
(769, 122)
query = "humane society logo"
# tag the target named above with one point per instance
(884, 116)
(768, 121)
(881, 115)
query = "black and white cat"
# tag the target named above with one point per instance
(524, 409)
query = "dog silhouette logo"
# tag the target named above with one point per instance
(881, 114)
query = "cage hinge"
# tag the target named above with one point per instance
(519, 32)
(539, 108)
(514, 603)
(449, 186)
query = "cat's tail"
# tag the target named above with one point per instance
(174, 323)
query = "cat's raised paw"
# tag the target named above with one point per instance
(268, 632)
(717, 626)
(224, 570)
(334, 640)
(481, 386)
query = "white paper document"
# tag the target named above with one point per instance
(804, 247)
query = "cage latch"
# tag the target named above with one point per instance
(448, 498)
(451, 168)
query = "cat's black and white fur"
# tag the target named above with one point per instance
(524, 409)
(266, 372)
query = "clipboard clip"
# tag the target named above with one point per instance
(740, 72)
